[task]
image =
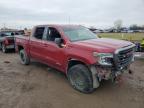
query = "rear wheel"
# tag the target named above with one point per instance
(4, 50)
(81, 78)
(24, 58)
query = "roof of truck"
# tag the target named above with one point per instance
(59, 25)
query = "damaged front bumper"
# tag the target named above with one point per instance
(100, 73)
(107, 73)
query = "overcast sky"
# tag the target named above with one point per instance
(99, 13)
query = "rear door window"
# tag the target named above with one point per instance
(39, 32)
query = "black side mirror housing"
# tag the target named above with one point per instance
(58, 41)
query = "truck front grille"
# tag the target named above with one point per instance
(123, 57)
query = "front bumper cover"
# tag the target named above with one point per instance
(100, 73)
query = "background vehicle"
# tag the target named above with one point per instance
(142, 45)
(77, 52)
(7, 40)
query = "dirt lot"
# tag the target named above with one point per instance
(37, 86)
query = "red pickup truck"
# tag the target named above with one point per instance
(77, 52)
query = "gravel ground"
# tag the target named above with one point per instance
(38, 86)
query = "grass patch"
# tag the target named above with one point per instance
(123, 36)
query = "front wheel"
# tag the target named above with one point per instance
(81, 78)
(24, 58)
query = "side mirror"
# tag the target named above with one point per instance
(58, 41)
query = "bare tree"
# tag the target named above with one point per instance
(118, 24)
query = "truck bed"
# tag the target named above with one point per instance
(22, 39)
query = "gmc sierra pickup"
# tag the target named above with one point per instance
(77, 52)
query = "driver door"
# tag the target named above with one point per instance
(54, 55)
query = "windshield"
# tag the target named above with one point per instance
(3, 34)
(79, 33)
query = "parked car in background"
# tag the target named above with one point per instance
(98, 31)
(130, 31)
(137, 31)
(142, 45)
(77, 52)
(7, 40)
(105, 31)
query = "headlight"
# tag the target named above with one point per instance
(104, 58)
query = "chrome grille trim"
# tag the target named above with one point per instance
(121, 57)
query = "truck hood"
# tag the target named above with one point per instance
(103, 44)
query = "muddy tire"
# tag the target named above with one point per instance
(3, 47)
(80, 78)
(24, 58)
